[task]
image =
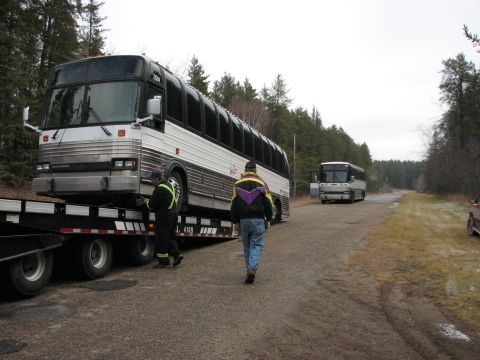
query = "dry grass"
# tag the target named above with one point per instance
(424, 247)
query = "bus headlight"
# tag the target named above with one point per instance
(129, 164)
(43, 167)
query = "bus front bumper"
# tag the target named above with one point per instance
(335, 196)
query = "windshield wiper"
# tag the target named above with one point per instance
(97, 117)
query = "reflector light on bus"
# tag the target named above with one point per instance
(121, 133)
(45, 138)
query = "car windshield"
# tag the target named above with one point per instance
(72, 106)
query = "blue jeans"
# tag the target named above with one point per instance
(252, 231)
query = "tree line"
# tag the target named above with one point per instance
(452, 163)
(268, 110)
(37, 35)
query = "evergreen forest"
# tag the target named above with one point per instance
(36, 35)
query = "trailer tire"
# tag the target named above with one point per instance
(28, 275)
(93, 258)
(141, 250)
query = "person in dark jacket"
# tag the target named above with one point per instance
(251, 206)
(163, 203)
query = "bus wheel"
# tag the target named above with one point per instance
(352, 197)
(28, 275)
(277, 212)
(470, 230)
(141, 249)
(363, 195)
(93, 258)
(323, 201)
(176, 180)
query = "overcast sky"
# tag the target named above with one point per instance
(369, 66)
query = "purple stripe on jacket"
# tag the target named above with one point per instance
(250, 196)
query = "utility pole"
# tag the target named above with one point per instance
(294, 167)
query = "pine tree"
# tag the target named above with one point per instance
(91, 38)
(17, 34)
(225, 90)
(197, 77)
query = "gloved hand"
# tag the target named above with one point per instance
(267, 225)
(140, 201)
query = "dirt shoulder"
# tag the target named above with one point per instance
(423, 249)
(23, 192)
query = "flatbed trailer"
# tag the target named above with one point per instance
(31, 232)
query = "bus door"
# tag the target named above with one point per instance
(314, 184)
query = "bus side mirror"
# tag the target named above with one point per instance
(154, 106)
(353, 178)
(154, 109)
(25, 120)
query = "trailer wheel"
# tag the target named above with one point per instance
(141, 249)
(94, 258)
(470, 230)
(176, 180)
(28, 275)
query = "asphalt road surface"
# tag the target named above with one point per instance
(307, 303)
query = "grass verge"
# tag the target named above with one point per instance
(424, 247)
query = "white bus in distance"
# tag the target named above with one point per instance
(341, 181)
(109, 121)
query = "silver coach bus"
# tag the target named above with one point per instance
(341, 181)
(109, 121)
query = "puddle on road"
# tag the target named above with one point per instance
(11, 346)
(394, 205)
(28, 313)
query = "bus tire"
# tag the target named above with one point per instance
(176, 180)
(363, 195)
(352, 197)
(470, 230)
(28, 275)
(141, 250)
(323, 201)
(93, 258)
(277, 212)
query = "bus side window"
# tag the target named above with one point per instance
(210, 119)
(258, 148)
(248, 143)
(224, 128)
(275, 159)
(237, 134)
(194, 117)
(174, 100)
(267, 153)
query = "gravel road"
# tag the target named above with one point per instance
(307, 302)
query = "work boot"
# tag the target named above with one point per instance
(162, 263)
(250, 276)
(177, 260)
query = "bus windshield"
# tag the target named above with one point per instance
(334, 173)
(71, 106)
